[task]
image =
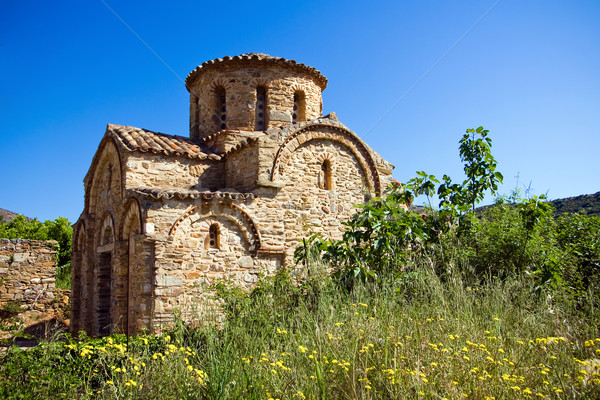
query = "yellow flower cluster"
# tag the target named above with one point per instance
(486, 365)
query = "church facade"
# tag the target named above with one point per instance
(165, 216)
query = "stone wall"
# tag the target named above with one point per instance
(27, 272)
(148, 170)
(239, 85)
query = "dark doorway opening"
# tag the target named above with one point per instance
(104, 294)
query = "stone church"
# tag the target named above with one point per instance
(166, 215)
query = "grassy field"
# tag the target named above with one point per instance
(425, 339)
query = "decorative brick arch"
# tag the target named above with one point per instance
(235, 214)
(254, 82)
(132, 219)
(299, 87)
(322, 131)
(220, 82)
(79, 236)
(326, 156)
(108, 154)
(107, 222)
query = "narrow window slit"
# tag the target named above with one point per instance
(299, 109)
(325, 179)
(221, 107)
(260, 120)
(213, 240)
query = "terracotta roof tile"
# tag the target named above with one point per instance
(260, 58)
(136, 139)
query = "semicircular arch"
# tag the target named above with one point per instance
(340, 135)
(228, 211)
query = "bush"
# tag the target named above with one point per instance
(60, 230)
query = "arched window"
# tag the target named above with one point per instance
(221, 107)
(325, 179)
(299, 112)
(260, 112)
(213, 238)
(107, 235)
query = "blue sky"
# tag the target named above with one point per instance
(528, 72)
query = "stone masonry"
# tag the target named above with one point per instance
(165, 216)
(27, 272)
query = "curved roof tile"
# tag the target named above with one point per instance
(261, 58)
(135, 139)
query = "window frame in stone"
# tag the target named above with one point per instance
(213, 238)
(220, 99)
(299, 109)
(326, 175)
(260, 109)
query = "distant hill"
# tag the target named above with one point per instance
(6, 216)
(588, 204)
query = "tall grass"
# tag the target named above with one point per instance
(419, 337)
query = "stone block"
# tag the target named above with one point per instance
(170, 281)
(245, 262)
(19, 257)
(280, 116)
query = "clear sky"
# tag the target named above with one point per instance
(529, 72)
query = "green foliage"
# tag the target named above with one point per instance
(382, 236)
(277, 292)
(377, 239)
(578, 236)
(383, 241)
(440, 340)
(22, 228)
(480, 166)
(10, 309)
(60, 230)
(509, 239)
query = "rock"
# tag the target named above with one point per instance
(245, 262)
(276, 115)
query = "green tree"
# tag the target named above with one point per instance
(480, 166)
(23, 228)
(60, 230)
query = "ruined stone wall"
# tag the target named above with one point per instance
(28, 272)
(240, 85)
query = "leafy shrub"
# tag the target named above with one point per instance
(60, 230)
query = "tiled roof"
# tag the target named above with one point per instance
(261, 58)
(136, 139)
